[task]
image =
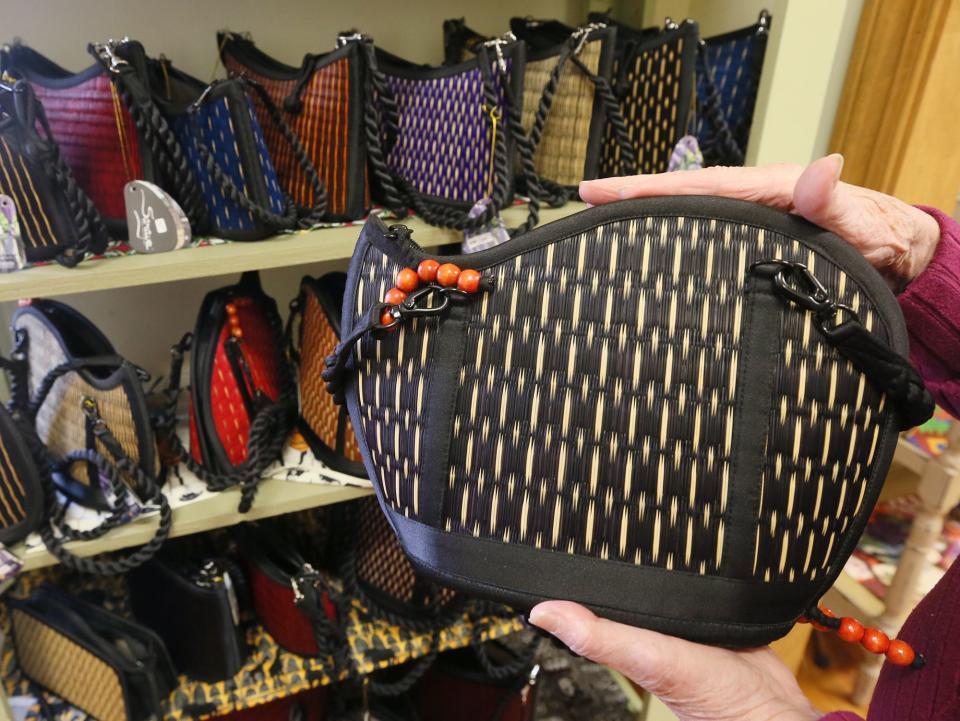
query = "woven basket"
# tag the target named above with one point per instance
(628, 418)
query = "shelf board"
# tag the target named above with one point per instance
(274, 497)
(292, 249)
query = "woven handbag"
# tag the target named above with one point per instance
(108, 129)
(56, 218)
(225, 147)
(324, 425)
(242, 394)
(85, 416)
(322, 101)
(443, 139)
(109, 667)
(677, 411)
(21, 494)
(728, 77)
(654, 78)
(568, 102)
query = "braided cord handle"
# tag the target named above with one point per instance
(310, 216)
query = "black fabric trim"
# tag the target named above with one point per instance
(599, 120)
(760, 331)
(443, 389)
(714, 610)
(392, 64)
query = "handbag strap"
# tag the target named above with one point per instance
(87, 221)
(155, 132)
(888, 371)
(269, 426)
(570, 51)
(381, 120)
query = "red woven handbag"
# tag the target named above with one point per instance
(108, 129)
(242, 395)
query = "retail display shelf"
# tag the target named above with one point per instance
(274, 497)
(223, 258)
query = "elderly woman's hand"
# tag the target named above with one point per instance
(897, 239)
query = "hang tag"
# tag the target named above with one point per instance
(486, 236)
(13, 256)
(155, 222)
(10, 565)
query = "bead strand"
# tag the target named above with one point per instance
(897, 652)
(446, 275)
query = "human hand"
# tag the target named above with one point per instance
(897, 239)
(697, 683)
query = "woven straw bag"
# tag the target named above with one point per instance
(322, 101)
(56, 218)
(677, 411)
(654, 78)
(325, 425)
(109, 130)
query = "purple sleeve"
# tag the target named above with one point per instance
(842, 716)
(931, 307)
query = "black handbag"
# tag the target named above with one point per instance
(57, 220)
(192, 604)
(677, 411)
(111, 668)
(21, 493)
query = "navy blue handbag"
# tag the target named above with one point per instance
(728, 76)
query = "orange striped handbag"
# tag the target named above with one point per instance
(321, 101)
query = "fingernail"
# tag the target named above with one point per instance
(840, 161)
(543, 618)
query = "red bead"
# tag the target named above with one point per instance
(850, 630)
(875, 640)
(386, 318)
(408, 280)
(447, 275)
(900, 653)
(803, 619)
(427, 270)
(395, 296)
(236, 332)
(469, 281)
(231, 309)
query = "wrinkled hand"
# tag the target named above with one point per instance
(698, 683)
(897, 239)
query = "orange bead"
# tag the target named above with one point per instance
(395, 296)
(469, 281)
(386, 318)
(447, 275)
(875, 640)
(900, 653)
(236, 332)
(850, 630)
(231, 309)
(408, 280)
(427, 270)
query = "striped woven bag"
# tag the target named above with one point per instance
(226, 150)
(322, 101)
(677, 411)
(108, 129)
(56, 218)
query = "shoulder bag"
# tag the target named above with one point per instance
(677, 411)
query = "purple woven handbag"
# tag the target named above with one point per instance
(443, 139)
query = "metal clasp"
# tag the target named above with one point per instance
(90, 409)
(195, 105)
(582, 33)
(307, 573)
(344, 38)
(106, 51)
(497, 45)
(809, 292)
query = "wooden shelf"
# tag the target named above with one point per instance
(301, 248)
(274, 497)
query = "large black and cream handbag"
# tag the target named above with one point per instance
(677, 411)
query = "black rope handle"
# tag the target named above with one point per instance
(888, 371)
(730, 152)
(267, 435)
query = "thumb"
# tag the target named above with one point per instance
(818, 195)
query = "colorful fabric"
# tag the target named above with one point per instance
(686, 155)
(931, 437)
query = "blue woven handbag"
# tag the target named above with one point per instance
(224, 145)
(728, 76)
